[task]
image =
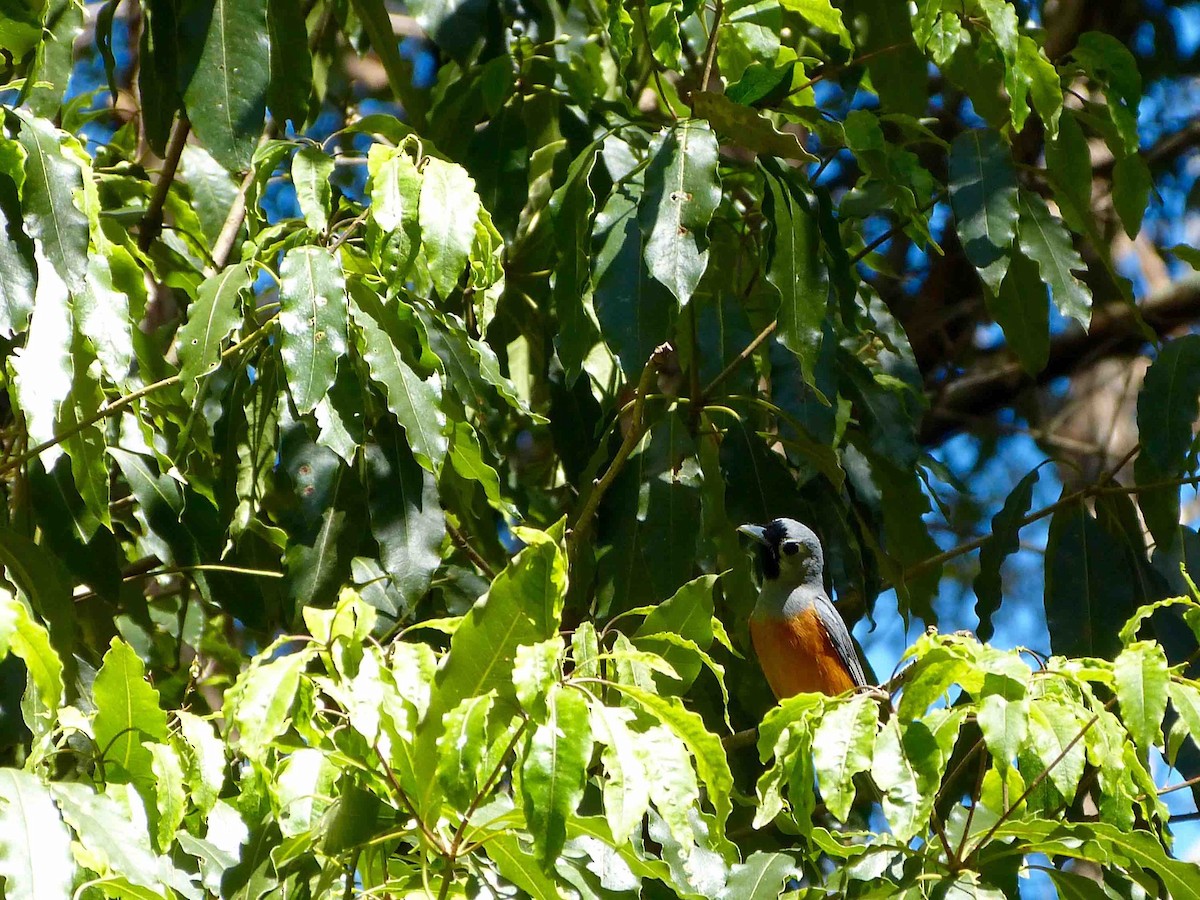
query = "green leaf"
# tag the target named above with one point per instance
(204, 759)
(1003, 717)
(626, 783)
(573, 206)
(688, 613)
(1169, 403)
(1069, 169)
(554, 770)
(39, 576)
(291, 63)
(1141, 674)
(35, 846)
(25, 638)
(1020, 308)
(523, 606)
(225, 91)
(413, 400)
(1087, 592)
(448, 209)
(54, 171)
(466, 455)
(261, 701)
(395, 189)
(1053, 725)
(42, 369)
(378, 26)
(169, 791)
(462, 746)
(748, 127)
(109, 835)
(794, 269)
(823, 14)
(17, 266)
(712, 766)
(1044, 240)
(842, 748)
(311, 168)
(515, 863)
(312, 318)
(1004, 541)
(103, 310)
(536, 668)
(304, 791)
(213, 316)
(635, 310)
(907, 767)
(127, 712)
(406, 517)
(983, 194)
(54, 59)
(763, 876)
(883, 36)
(682, 192)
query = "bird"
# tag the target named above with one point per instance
(800, 639)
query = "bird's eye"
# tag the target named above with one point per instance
(791, 548)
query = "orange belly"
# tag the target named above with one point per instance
(797, 656)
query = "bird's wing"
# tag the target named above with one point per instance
(840, 637)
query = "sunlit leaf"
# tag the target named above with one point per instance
(554, 770)
(35, 846)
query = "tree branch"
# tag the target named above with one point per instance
(997, 380)
(152, 220)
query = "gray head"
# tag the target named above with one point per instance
(790, 552)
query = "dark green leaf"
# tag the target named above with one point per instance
(412, 399)
(1087, 585)
(983, 194)
(635, 310)
(1022, 311)
(1131, 191)
(574, 205)
(291, 67)
(747, 127)
(884, 36)
(1006, 525)
(406, 518)
(1169, 403)
(794, 267)
(38, 574)
(226, 76)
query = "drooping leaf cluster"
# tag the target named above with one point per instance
(295, 368)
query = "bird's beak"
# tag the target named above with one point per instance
(754, 531)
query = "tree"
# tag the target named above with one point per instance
(380, 414)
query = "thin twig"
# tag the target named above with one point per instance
(710, 52)
(152, 220)
(637, 428)
(402, 796)
(481, 564)
(974, 544)
(746, 353)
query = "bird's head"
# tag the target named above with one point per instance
(789, 551)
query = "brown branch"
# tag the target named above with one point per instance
(997, 380)
(152, 220)
(710, 53)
